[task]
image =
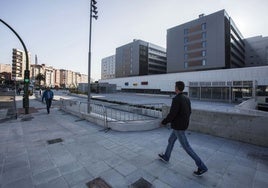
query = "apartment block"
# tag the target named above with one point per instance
(208, 42)
(108, 67)
(5, 68)
(19, 63)
(139, 58)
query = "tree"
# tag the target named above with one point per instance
(40, 77)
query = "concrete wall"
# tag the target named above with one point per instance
(242, 127)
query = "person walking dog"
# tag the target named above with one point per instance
(48, 96)
(179, 117)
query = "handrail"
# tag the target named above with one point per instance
(115, 112)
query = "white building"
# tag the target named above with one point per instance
(222, 85)
(108, 67)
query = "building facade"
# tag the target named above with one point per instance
(209, 42)
(5, 68)
(256, 51)
(139, 58)
(19, 64)
(108, 67)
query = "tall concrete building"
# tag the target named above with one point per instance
(208, 42)
(19, 64)
(139, 58)
(256, 51)
(108, 67)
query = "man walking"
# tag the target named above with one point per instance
(48, 96)
(179, 117)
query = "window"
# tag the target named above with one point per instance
(144, 83)
(185, 39)
(126, 83)
(204, 53)
(185, 56)
(204, 35)
(186, 31)
(204, 26)
(185, 48)
(203, 62)
(185, 64)
(204, 44)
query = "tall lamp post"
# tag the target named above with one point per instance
(26, 72)
(93, 14)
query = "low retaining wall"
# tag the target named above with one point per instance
(242, 127)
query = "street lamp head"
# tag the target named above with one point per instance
(95, 12)
(94, 2)
(95, 17)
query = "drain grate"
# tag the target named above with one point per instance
(141, 183)
(53, 141)
(98, 183)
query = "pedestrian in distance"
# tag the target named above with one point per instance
(179, 117)
(48, 96)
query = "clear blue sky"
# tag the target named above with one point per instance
(57, 30)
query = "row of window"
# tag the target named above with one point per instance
(188, 64)
(203, 53)
(203, 44)
(203, 27)
(203, 36)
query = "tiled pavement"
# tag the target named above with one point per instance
(120, 158)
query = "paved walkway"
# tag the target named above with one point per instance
(87, 152)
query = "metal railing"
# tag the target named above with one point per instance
(116, 112)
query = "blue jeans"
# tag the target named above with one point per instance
(180, 135)
(48, 102)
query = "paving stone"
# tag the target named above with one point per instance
(69, 167)
(125, 168)
(97, 168)
(21, 183)
(157, 183)
(46, 176)
(41, 166)
(15, 165)
(261, 178)
(114, 179)
(77, 177)
(56, 183)
(139, 173)
(15, 174)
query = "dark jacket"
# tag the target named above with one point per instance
(48, 94)
(179, 114)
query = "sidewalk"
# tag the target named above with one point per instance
(120, 159)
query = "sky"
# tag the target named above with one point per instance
(57, 31)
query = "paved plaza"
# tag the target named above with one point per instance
(119, 158)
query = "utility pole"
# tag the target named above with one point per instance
(93, 14)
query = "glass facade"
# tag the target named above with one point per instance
(221, 91)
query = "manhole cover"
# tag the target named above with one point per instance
(53, 141)
(98, 183)
(141, 183)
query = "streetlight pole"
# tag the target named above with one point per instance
(93, 14)
(26, 72)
